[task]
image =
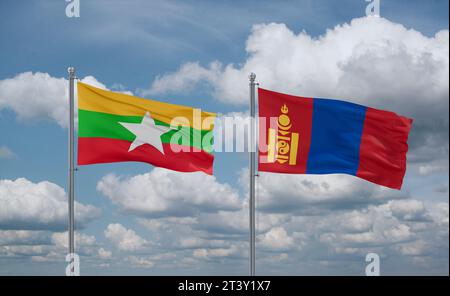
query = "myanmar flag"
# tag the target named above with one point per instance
(115, 127)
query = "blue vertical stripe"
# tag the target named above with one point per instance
(336, 136)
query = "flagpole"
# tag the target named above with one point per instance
(252, 150)
(71, 71)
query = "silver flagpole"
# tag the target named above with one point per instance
(71, 71)
(252, 149)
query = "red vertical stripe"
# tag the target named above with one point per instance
(383, 148)
(300, 115)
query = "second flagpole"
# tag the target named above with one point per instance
(252, 154)
(71, 199)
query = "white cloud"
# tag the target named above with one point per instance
(398, 233)
(104, 254)
(185, 79)
(162, 224)
(35, 96)
(91, 80)
(39, 96)
(415, 248)
(409, 210)
(428, 169)
(392, 223)
(43, 246)
(310, 194)
(24, 250)
(124, 239)
(191, 242)
(322, 218)
(6, 153)
(357, 60)
(402, 232)
(237, 223)
(140, 262)
(214, 253)
(277, 239)
(35, 206)
(163, 259)
(166, 193)
(355, 221)
(439, 213)
(371, 61)
(23, 237)
(61, 240)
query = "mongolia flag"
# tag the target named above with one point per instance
(114, 127)
(300, 135)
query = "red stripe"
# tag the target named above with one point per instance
(383, 148)
(103, 150)
(300, 114)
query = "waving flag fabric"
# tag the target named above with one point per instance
(323, 136)
(114, 127)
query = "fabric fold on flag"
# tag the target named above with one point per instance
(325, 136)
(115, 127)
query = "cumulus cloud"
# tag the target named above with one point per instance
(214, 253)
(43, 246)
(409, 210)
(371, 61)
(23, 237)
(392, 223)
(35, 95)
(415, 248)
(25, 205)
(310, 194)
(166, 193)
(309, 221)
(185, 79)
(104, 254)
(39, 96)
(401, 229)
(124, 239)
(175, 208)
(339, 240)
(237, 223)
(60, 239)
(407, 230)
(190, 233)
(322, 218)
(439, 212)
(357, 60)
(24, 250)
(277, 239)
(140, 261)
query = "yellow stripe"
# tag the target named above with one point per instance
(98, 100)
(294, 149)
(271, 145)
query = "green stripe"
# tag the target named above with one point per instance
(93, 124)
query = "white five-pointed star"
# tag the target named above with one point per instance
(146, 132)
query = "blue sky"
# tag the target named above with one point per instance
(398, 62)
